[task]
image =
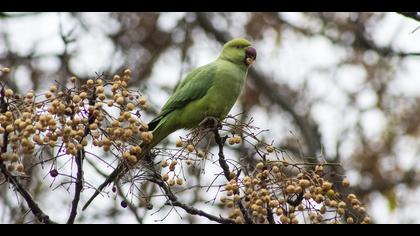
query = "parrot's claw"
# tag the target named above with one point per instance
(211, 122)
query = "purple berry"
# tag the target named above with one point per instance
(114, 189)
(124, 204)
(54, 173)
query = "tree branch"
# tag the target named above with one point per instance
(33, 206)
(412, 15)
(361, 43)
(78, 186)
(189, 209)
(79, 162)
(223, 164)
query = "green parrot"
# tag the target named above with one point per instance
(207, 91)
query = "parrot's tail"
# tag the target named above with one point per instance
(158, 134)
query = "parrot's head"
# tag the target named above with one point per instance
(239, 51)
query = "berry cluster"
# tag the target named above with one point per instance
(70, 117)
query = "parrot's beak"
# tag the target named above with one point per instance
(250, 56)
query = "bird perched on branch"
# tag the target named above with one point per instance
(207, 91)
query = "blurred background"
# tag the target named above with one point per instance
(340, 87)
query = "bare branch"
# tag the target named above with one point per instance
(189, 209)
(412, 15)
(79, 162)
(223, 164)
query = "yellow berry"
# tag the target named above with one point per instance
(190, 147)
(201, 153)
(8, 93)
(130, 106)
(10, 128)
(14, 158)
(164, 163)
(231, 141)
(5, 70)
(165, 177)
(19, 167)
(83, 95)
(11, 167)
(93, 126)
(5, 156)
(179, 181)
(238, 220)
(127, 133)
(89, 82)
(284, 219)
(84, 142)
(127, 72)
(355, 202)
(142, 101)
(290, 189)
(351, 196)
(260, 165)
(127, 115)
(120, 100)
(341, 211)
(341, 204)
(132, 159)
(101, 96)
(135, 150)
(147, 136)
(304, 183)
(330, 193)
(53, 88)
(326, 186)
(269, 148)
(99, 89)
(30, 95)
(178, 142)
(76, 99)
(172, 166)
(346, 183)
(126, 155)
(48, 94)
(171, 182)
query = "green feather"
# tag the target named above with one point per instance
(193, 87)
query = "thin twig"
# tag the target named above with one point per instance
(222, 161)
(189, 209)
(79, 162)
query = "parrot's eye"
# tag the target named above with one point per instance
(238, 46)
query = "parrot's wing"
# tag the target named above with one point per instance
(187, 78)
(193, 87)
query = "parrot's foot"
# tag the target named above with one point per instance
(211, 122)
